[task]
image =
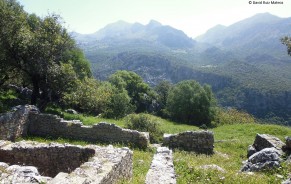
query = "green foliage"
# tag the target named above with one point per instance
(146, 123)
(287, 41)
(119, 105)
(139, 92)
(162, 90)
(191, 103)
(90, 96)
(40, 51)
(232, 116)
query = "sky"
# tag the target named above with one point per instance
(194, 17)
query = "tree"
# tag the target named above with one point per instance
(140, 93)
(287, 41)
(162, 90)
(119, 105)
(189, 102)
(39, 49)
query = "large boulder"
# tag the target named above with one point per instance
(263, 141)
(267, 158)
(14, 124)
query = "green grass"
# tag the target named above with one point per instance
(166, 125)
(231, 143)
(229, 154)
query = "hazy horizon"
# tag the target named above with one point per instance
(192, 17)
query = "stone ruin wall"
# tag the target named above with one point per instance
(53, 126)
(26, 120)
(14, 124)
(49, 159)
(63, 163)
(197, 141)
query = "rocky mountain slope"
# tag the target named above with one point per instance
(245, 63)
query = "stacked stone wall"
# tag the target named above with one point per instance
(197, 141)
(49, 159)
(63, 163)
(53, 126)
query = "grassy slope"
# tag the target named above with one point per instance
(231, 142)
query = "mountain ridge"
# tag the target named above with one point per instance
(246, 64)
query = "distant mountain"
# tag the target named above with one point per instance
(245, 63)
(258, 34)
(154, 32)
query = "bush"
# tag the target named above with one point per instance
(146, 123)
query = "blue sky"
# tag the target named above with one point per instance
(191, 16)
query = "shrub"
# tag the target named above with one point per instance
(146, 123)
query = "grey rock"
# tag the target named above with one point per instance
(213, 167)
(263, 141)
(251, 150)
(288, 181)
(14, 124)
(267, 158)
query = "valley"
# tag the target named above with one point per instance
(245, 63)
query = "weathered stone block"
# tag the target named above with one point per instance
(263, 141)
(197, 141)
(14, 124)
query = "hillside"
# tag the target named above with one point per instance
(245, 63)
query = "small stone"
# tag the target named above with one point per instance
(71, 111)
(213, 167)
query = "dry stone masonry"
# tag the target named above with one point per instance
(71, 164)
(162, 168)
(197, 141)
(53, 126)
(27, 120)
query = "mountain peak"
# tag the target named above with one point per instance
(264, 17)
(153, 24)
